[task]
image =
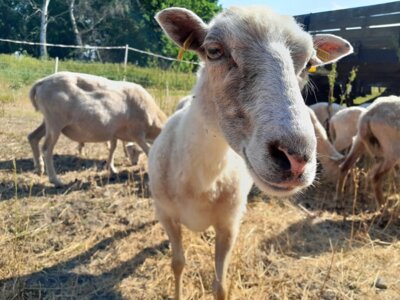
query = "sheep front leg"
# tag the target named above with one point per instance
(225, 240)
(81, 148)
(378, 174)
(357, 148)
(48, 147)
(110, 160)
(34, 138)
(141, 141)
(174, 233)
(124, 145)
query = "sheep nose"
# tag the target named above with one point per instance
(288, 160)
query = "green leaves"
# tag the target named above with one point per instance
(100, 22)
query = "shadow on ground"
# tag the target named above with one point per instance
(61, 282)
(63, 164)
(315, 236)
(25, 188)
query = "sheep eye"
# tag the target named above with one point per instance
(214, 53)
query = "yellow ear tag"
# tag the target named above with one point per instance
(312, 69)
(185, 46)
(323, 55)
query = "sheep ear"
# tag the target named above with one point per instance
(329, 48)
(182, 26)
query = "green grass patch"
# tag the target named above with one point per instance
(17, 73)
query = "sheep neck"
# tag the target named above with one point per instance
(208, 148)
(207, 153)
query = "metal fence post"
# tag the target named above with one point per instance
(126, 60)
(56, 65)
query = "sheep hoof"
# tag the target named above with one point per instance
(39, 169)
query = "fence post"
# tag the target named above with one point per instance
(56, 65)
(126, 60)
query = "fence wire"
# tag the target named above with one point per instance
(89, 47)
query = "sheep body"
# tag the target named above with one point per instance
(88, 108)
(343, 127)
(246, 121)
(327, 154)
(378, 135)
(325, 111)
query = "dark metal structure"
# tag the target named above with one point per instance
(374, 32)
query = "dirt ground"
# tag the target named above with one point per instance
(97, 238)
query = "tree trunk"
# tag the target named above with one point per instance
(78, 37)
(43, 28)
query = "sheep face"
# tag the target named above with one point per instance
(255, 64)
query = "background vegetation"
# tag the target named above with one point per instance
(98, 22)
(18, 73)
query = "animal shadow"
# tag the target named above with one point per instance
(20, 187)
(63, 163)
(315, 236)
(61, 281)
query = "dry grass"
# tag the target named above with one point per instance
(97, 237)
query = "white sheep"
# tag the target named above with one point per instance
(378, 134)
(327, 155)
(343, 126)
(324, 112)
(247, 121)
(88, 108)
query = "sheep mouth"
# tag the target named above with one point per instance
(284, 188)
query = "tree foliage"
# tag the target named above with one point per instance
(98, 22)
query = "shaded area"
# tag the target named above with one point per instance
(9, 189)
(59, 281)
(314, 236)
(62, 163)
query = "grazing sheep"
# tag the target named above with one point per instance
(247, 121)
(378, 134)
(88, 108)
(343, 126)
(324, 112)
(328, 156)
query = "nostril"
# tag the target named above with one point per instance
(280, 157)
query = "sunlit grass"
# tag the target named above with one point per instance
(18, 73)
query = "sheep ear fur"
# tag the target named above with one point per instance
(184, 27)
(330, 48)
